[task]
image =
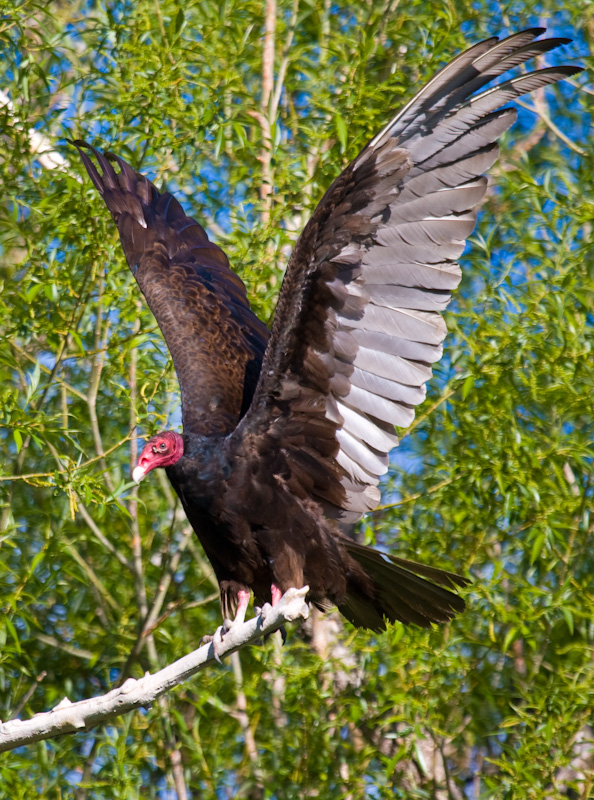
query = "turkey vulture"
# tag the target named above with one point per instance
(286, 434)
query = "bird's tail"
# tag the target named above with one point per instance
(384, 588)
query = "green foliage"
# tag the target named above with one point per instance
(494, 479)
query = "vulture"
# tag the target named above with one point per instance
(287, 432)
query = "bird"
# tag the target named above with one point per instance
(287, 432)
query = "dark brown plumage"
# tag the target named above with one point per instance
(287, 433)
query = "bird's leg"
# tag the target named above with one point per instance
(276, 594)
(243, 599)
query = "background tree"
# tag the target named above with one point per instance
(248, 110)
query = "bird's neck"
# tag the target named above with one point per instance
(201, 470)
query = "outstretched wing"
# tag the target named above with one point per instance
(358, 322)
(215, 340)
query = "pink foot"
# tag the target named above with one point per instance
(243, 599)
(276, 594)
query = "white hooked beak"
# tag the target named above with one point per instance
(138, 474)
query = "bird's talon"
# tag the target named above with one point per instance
(217, 641)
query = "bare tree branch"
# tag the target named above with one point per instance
(268, 54)
(284, 63)
(263, 116)
(243, 718)
(98, 362)
(69, 717)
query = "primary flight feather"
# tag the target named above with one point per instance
(285, 433)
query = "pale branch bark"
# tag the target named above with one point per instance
(83, 715)
(243, 719)
(282, 71)
(278, 684)
(172, 749)
(159, 16)
(268, 54)
(177, 768)
(101, 341)
(263, 115)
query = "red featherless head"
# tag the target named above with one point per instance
(163, 450)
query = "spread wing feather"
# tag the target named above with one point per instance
(358, 321)
(215, 340)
